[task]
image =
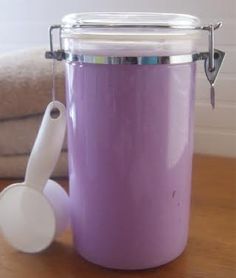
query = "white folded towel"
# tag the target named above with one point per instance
(26, 82)
(14, 166)
(18, 135)
(25, 91)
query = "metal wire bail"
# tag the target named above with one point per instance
(58, 54)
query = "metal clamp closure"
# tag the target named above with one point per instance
(213, 61)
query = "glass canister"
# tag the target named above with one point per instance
(130, 82)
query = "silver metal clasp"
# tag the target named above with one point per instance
(55, 54)
(212, 73)
(213, 59)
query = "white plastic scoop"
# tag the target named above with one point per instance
(32, 213)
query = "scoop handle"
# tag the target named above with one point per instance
(47, 147)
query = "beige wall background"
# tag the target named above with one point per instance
(24, 23)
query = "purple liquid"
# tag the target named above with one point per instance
(130, 142)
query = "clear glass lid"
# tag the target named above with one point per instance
(128, 32)
(118, 19)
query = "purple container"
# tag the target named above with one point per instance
(130, 98)
(130, 157)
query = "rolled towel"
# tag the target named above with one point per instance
(14, 166)
(18, 135)
(26, 82)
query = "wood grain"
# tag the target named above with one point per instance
(211, 250)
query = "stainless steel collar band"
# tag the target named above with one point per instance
(144, 60)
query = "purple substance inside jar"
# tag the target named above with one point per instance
(130, 140)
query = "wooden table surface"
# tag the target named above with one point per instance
(210, 253)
